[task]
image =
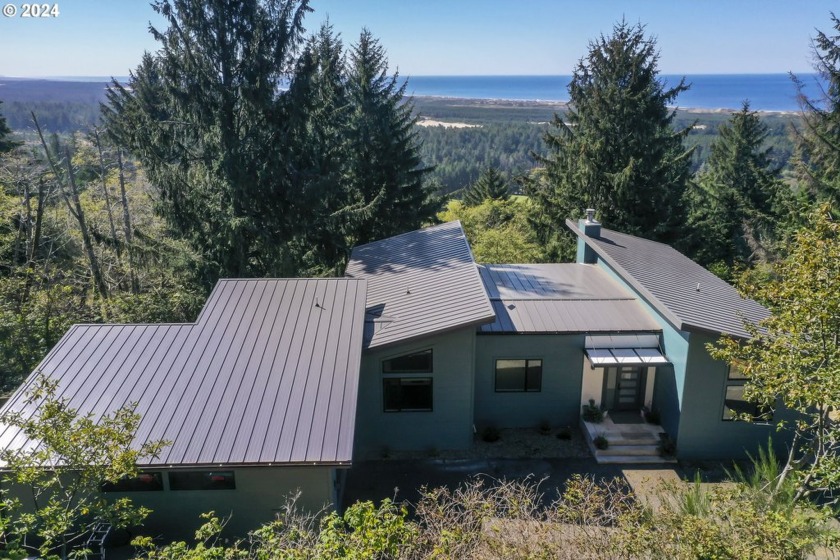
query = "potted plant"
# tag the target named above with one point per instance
(592, 413)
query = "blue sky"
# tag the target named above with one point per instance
(455, 37)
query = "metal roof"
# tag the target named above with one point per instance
(268, 374)
(560, 298)
(419, 283)
(685, 293)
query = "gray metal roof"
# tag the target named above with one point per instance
(268, 374)
(419, 283)
(685, 293)
(560, 298)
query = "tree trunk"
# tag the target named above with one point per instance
(79, 214)
(102, 174)
(135, 286)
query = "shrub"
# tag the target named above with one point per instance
(490, 434)
(601, 442)
(545, 427)
(592, 413)
(564, 432)
(667, 446)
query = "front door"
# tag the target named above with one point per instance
(628, 388)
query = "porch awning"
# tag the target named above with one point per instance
(624, 350)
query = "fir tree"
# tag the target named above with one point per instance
(819, 140)
(491, 185)
(388, 192)
(6, 143)
(738, 204)
(615, 149)
(205, 116)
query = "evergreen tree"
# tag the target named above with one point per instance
(738, 205)
(491, 185)
(387, 188)
(6, 143)
(615, 149)
(819, 141)
(318, 94)
(206, 117)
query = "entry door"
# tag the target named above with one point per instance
(628, 389)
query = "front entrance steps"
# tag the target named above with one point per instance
(627, 443)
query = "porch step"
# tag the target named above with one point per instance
(638, 459)
(625, 448)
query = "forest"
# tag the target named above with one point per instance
(127, 201)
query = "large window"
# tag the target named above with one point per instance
(417, 362)
(202, 480)
(518, 376)
(143, 482)
(735, 406)
(407, 394)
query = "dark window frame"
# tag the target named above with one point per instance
(137, 483)
(389, 380)
(430, 369)
(202, 480)
(734, 379)
(527, 367)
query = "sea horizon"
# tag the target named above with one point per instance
(772, 92)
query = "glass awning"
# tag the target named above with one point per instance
(605, 351)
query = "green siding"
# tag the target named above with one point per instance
(703, 433)
(689, 396)
(259, 493)
(448, 426)
(559, 400)
(669, 383)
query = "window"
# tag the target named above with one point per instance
(143, 482)
(734, 403)
(418, 362)
(407, 394)
(202, 480)
(518, 376)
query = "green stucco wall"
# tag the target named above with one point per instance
(703, 434)
(448, 426)
(259, 492)
(689, 396)
(670, 380)
(559, 400)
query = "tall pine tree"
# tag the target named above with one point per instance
(739, 201)
(388, 192)
(819, 140)
(206, 117)
(6, 142)
(615, 149)
(491, 185)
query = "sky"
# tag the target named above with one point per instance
(454, 37)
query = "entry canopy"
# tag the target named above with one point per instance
(624, 350)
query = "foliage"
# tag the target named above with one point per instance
(793, 357)
(726, 521)
(498, 230)
(359, 162)
(46, 280)
(819, 139)
(204, 116)
(738, 205)
(491, 185)
(615, 149)
(601, 442)
(263, 179)
(592, 412)
(7, 143)
(64, 471)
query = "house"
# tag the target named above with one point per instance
(257, 398)
(280, 384)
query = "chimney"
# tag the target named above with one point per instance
(591, 228)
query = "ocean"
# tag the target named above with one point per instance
(765, 92)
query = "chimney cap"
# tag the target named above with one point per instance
(590, 215)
